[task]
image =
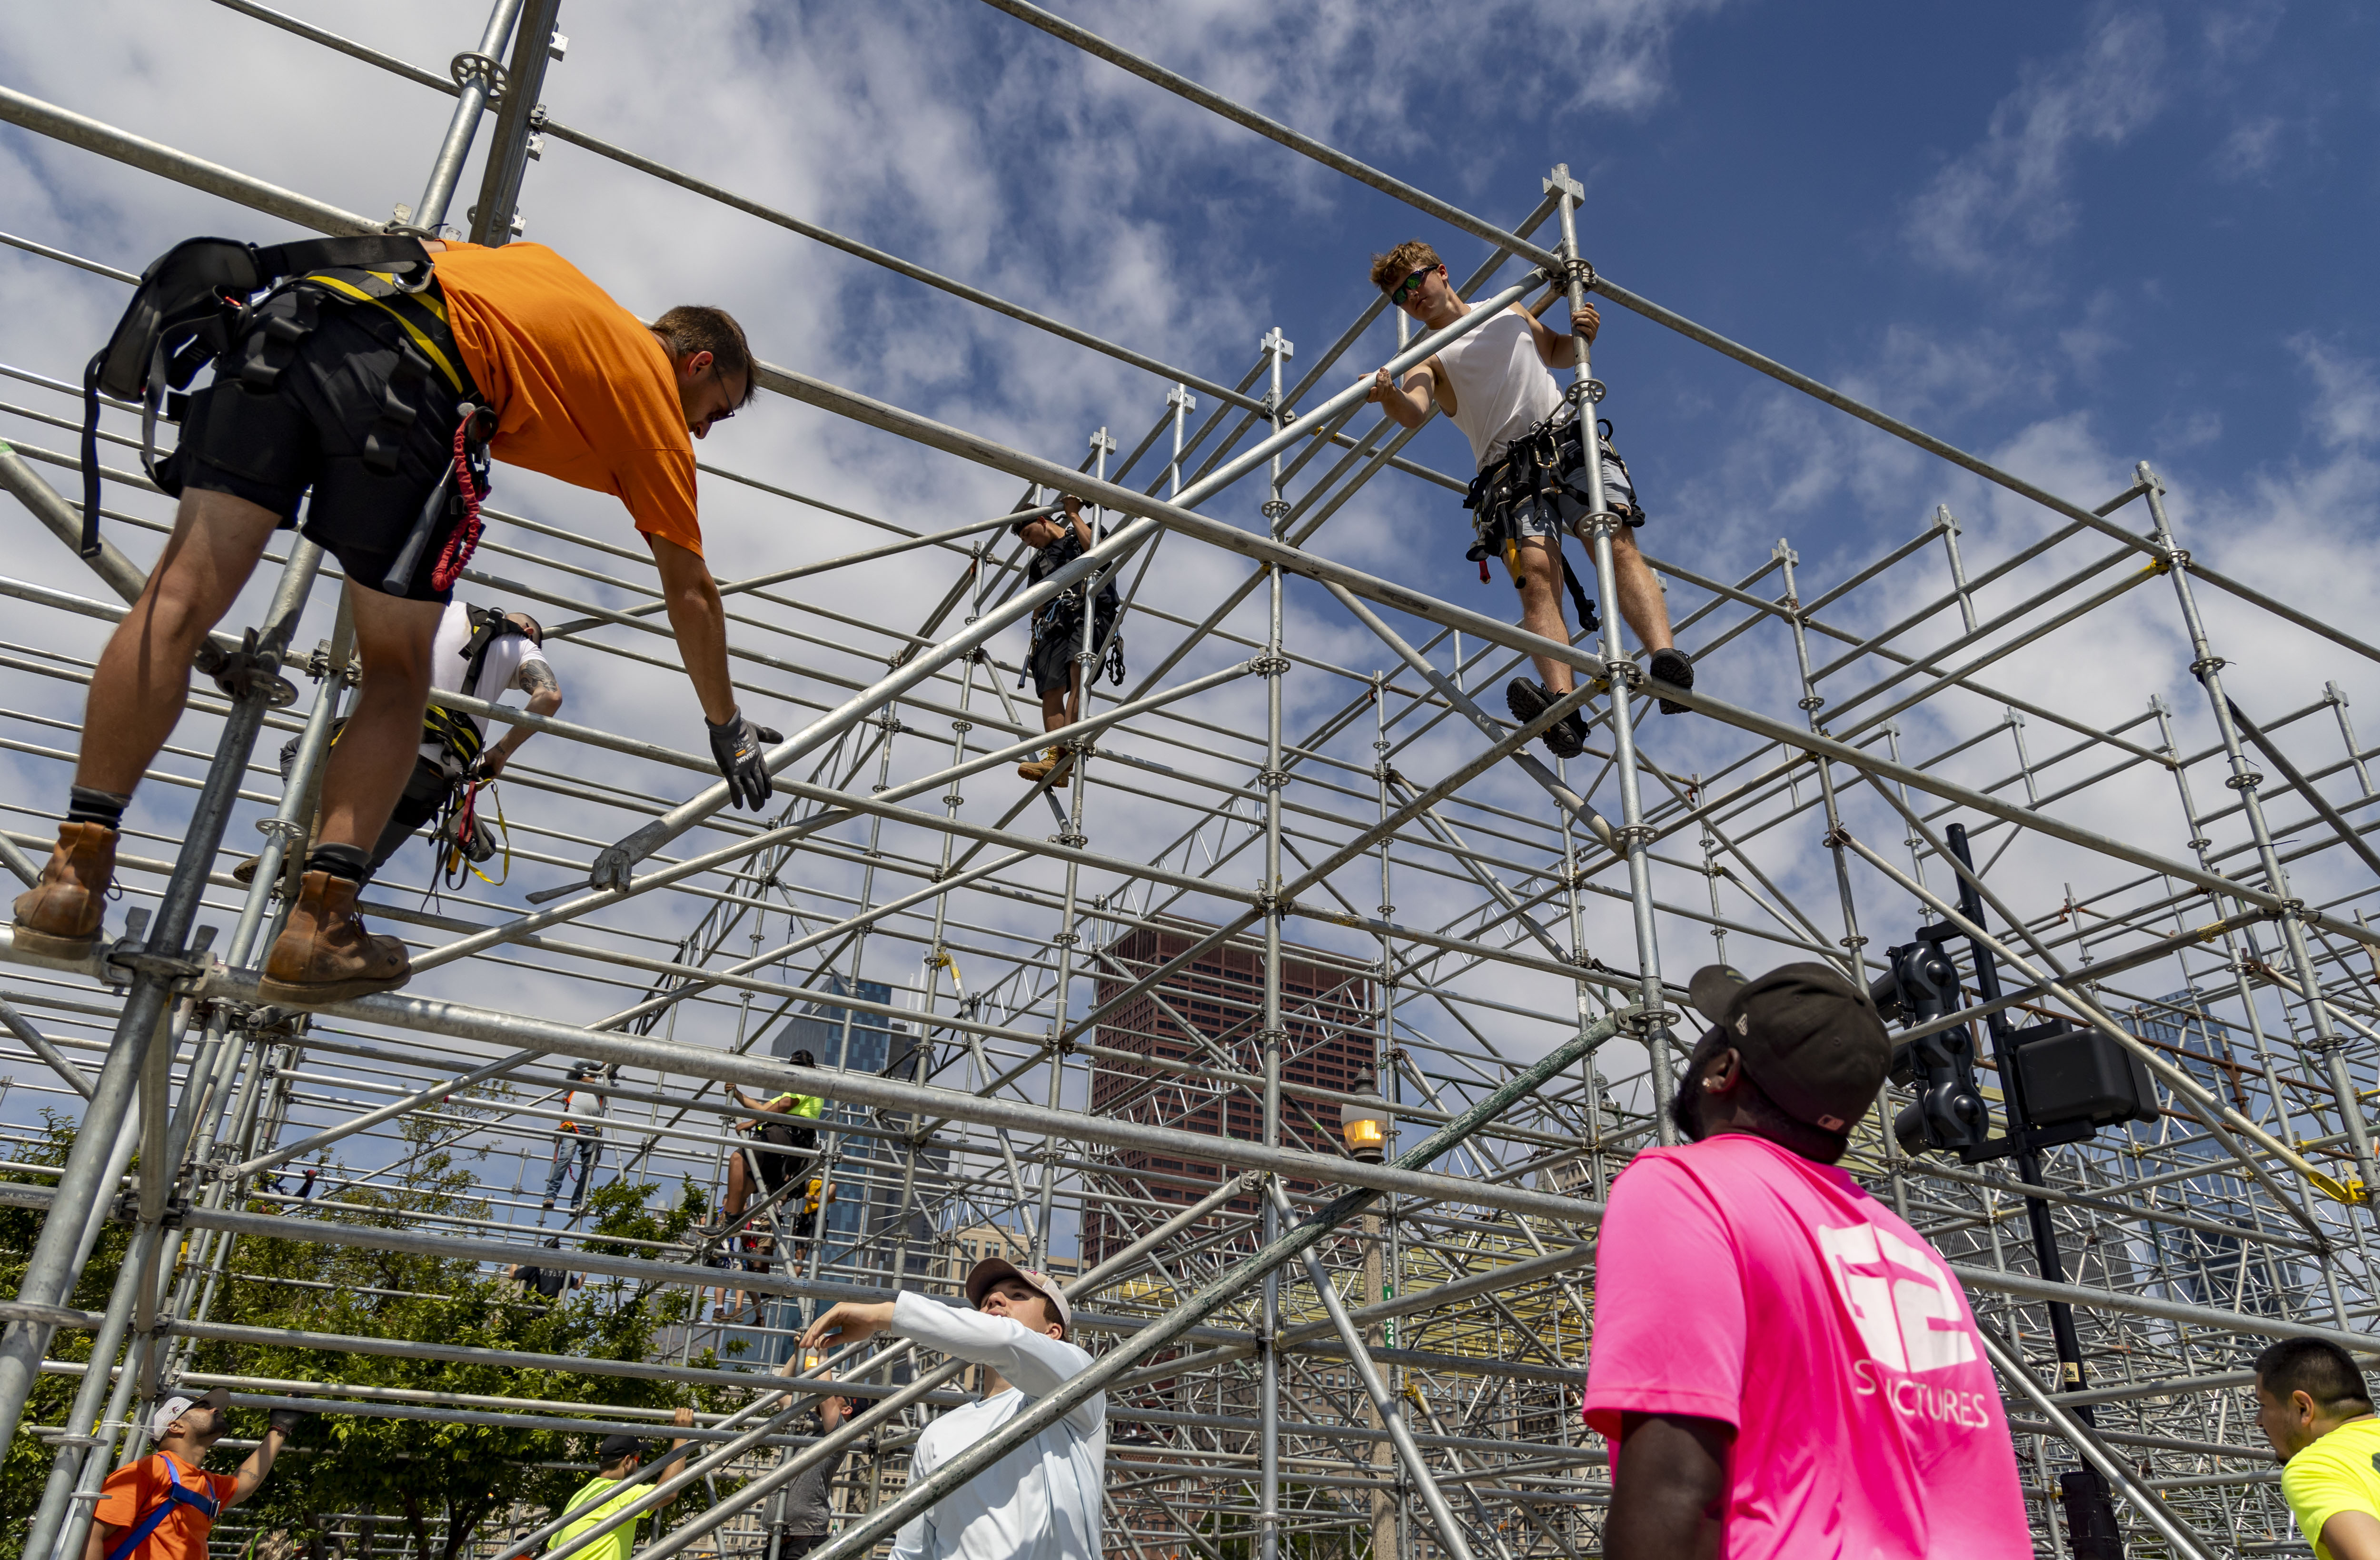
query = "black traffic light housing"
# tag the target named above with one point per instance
(2060, 1083)
(1920, 982)
(2074, 1082)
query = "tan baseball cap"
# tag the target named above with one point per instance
(991, 1270)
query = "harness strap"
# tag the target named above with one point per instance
(454, 731)
(488, 624)
(177, 1494)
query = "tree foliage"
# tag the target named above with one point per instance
(443, 1481)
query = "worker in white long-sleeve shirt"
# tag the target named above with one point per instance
(1041, 1501)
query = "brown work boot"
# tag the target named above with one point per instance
(1040, 769)
(59, 917)
(324, 955)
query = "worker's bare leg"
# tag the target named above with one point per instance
(1641, 600)
(375, 755)
(137, 689)
(1541, 605)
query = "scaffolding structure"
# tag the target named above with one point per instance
(1299, 1348)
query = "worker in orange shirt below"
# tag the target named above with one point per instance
(387, 392)
(164, 1507)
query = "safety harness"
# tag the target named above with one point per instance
(197, 304)
(1062, 614)
(456, 734)
(1537, 469)
(463, 835)
(177, 1493)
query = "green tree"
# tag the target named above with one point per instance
(27, 1470)
(443, 1481)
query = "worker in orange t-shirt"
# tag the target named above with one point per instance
(387, 392)
(164, 1507)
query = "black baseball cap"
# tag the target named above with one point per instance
(1809, 1038)
(618, 1446)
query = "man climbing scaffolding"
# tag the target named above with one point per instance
(481, 653)
(386, 391)
(783, 1143)
(162, 1506)
(1054, 663)
(579, 1137)
(1498, 385)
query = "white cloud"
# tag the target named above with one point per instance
(2346, 413)
(2251, 148)
(2010, 191)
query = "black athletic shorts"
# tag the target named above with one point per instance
(1054, 662)
(779, 1158)
(353, 372)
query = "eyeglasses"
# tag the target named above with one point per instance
(1411, 285)
(716, 379)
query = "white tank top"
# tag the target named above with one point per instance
(1501, 387)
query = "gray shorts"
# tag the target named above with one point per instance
(1566, 513)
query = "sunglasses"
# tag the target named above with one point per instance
(1410, 285)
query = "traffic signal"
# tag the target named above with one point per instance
(2075, 1081)
(1921, 983)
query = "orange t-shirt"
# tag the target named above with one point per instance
(585, 393)
(132, 1493)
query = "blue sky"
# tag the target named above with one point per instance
(2065, 236)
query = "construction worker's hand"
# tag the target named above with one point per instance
(284, 1422)
(739, 748)
(1382, 385)
(684, 1418)
(491, 764)
(1585, 322)
(1074, 507)
(848, 1322)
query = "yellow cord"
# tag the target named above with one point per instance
(455, 856)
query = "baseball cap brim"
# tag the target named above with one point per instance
(1713, 987)
(177, 1404)
(991, 1270)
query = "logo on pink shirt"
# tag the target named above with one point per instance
(1909, 1318)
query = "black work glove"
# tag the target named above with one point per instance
(739, 748)
(286, 1421)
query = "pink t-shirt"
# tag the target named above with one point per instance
(1737, 1281)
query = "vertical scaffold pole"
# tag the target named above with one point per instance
(285, 834)
(1379, 1281)
(1278, 349)
(1633, 835)
(1812, 702)
(2207, 667)
(518, 120)
(482, 78)
(55, 1265)
(1183, 403)
(1087, 658)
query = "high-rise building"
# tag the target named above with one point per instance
(1328, 1042)
(866, 1223)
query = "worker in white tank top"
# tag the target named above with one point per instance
(1497, 382)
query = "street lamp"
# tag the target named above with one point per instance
(1364, 1121)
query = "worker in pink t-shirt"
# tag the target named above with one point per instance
(1783, 1366)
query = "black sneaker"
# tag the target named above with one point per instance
(1675, 667)
(1566, 738)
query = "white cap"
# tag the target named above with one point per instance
(175, 1404)
(991, 1270)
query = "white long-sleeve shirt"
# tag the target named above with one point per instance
(1041, 1501)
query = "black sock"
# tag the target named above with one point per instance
(87, 806)
(348, 862)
